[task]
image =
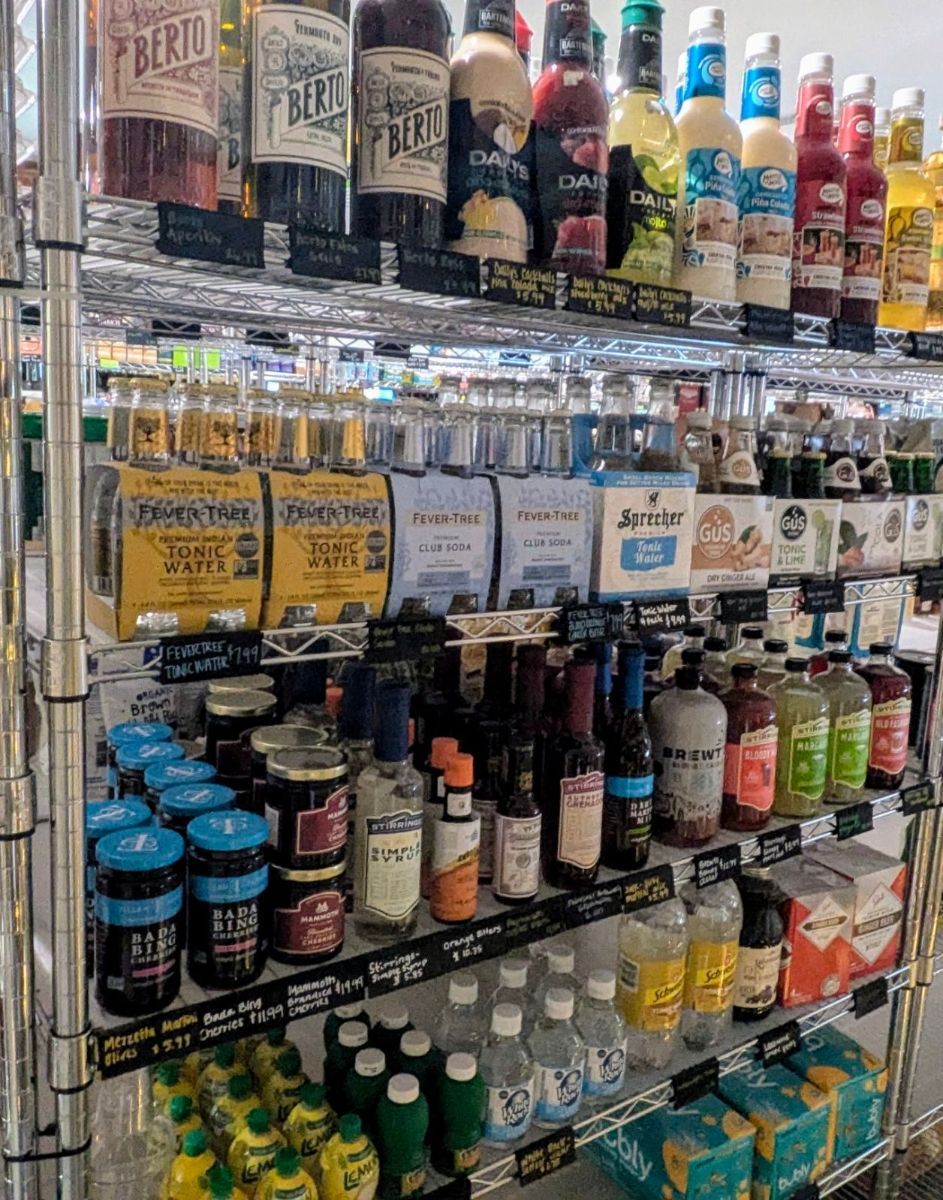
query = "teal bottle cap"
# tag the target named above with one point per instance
(642, 12)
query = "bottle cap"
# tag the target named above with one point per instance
(353, 1033)
(716, 645)
(523, 34)
(258, 1120)
(761, 43)
(288, 1063)
(403, 1089)
(276, 1035)
(370, 1062)
(179, 1108)
(704, 19)
(347, 1012)
(461, 1067)
(442, 750)
(882, 116)
(220, 1182)
(194, 1143)
(752, 632)
(513, 973)
(358, 705)
(463, 989)
(816, 64)
(642, 12)
(168, 1073)
(506, 1020)
(858, 85)
(840, 656)
(460, 772)
(240, 1086)
(743, 670)
(697, 631)
(392, 731)
(687, 678)
(393, 1015)
(349, 1127)
(833, 636)
(692, 657)
(797, 665)
(909, 97)
(881, 648)
(415, 1044)
(312, 1095)
(775, 646)
(601, 984)
(225, 1055)
(561, 959)
(558, 1004)
(287, 1161)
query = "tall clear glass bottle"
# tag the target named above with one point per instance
(802, 714)
(849, 704)
(715, 916)
(653, 946)
(627, 806)
(891, 694)
(231, 105)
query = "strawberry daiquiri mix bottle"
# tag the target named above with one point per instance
(867, 193)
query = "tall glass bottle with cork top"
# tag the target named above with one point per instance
(400, 123)
(803, 717)
(295, 111)
(867, 194)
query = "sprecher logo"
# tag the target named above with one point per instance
(651, 499)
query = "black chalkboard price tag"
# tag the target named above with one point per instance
(852, 335)
(662, 616)
(429, 269)
(823, 596)
(213, 237)
(694, 1082)
(455, 1189)
(545, 1156)
(714, 866)
(928, 347)
(853, 820)
(869, 997)
(323, 255)
(195, 656)
(930, 584)
(740, 608)
(779, 844)
(591, 623)
(808, 1191)
(916, 799)
(350, 354)
(642, 889)
(776, 1044)
(405, 639)
(599, 296)
(662, 305)
(764, 324)
(513, 283)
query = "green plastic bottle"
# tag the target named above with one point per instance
(184, 1116)
(287, 1180)
(391, 1023)
(310, 1125)
(364, 1086)
(417, 1056)
(336, 1018)
(281, 1092)
(253, 1149)
(339, 1061)
(402, 1127)
(349, 1168)
(214, 1078)
(229, 1110)
(456, 1148)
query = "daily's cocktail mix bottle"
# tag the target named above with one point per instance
(866, 190)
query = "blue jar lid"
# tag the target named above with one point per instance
(194, 799)
(228, 831)
(108, 816)
(164, 775)
(139, 731)
(140, 850)
(138, 755)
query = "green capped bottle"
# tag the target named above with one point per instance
(402, 1126)
(349, 1168)
(310, 1125)
(456, 1147)
(365, 1084)
(336, 1018)
(339, 1060)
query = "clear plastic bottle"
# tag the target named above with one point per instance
(513, 989)
(133, 1144)
(559, 1056)
(715, 661)
(715, 917)
(750, 647)
(462, 1026)
(508, 1071)
(560, 973)
(773, 667)
(603, 1031)
(693, 640)
(653, 946)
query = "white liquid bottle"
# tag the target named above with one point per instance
(711, 148)
(767, 196)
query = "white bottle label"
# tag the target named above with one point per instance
(508, 1111)
(404, 122)
(559, 1091)
(605, 1070)
(580, 836)
(300, 78)
(485, 808)
(516, 856)
(229, 154)
(391, 863)
(159, 61)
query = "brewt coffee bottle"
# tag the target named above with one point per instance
(401, 119)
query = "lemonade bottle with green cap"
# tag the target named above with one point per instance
(221, 1186)
(184, 1180)
(349, 1168)
(283, 1087)
(287, 1179)
(185, 1118)
(195, 1064)
(214, 1079)
(253, 1149)
(264, 1057)
(169, 1081)
(229, 1110)
(309, 1125)
(402, 1128)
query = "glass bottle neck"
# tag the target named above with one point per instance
(856, 133)
(568, 33)
(491, 16)
(639, 66)
(815, 109)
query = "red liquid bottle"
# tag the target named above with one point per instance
(891, 692)
(571, 119)
(818, 254)
(867, 195)
(750, 752)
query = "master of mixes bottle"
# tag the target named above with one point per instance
(402, 1126)
(867, 193)
(642, 209)
(715, 916)
(456, 1146)
(711, 148)
(653, 944)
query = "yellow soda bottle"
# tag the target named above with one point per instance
(283, 1087)
(262, 1063)
(221, 1185)
(349, 1164)
(195, 1064)
(253, 1149)
(214, 1080)
(229, 1110)
(287, 1180)
(309, 1126)
(169, 1081)
(184, 1116)
(186, 1175)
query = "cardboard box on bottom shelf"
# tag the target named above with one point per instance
(818, 910)
(871, 537)
(703, 1151)
(923, 531)
(805, 541)
(881, 883)
(792, 1120)
(732, 543)
(854, 1082)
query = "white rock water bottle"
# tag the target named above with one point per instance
(604, 1033)
(508, 1071)
(559, 1057)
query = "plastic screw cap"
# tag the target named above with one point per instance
(312, 1095)
(415, 1044)
(461, 1067)
(287, 1161)
(347, 1012)
(513, 973)
(506, 1020)
(394, 1015)
(288, 1063)
(558, 1004)
(601, 984)
(194, 1143)
(240, 1086)
(258, 1120)
(180, 1108)
(370, 1062)
(762, 43)
(403, 1089)
(349, 1127)
(859, 85)
(463, 989)
(909, 97)
(225, 1055)
(460, 772)
(353, 1033)
(706, 18)
(816, 63)
(561, 958)
(442, 750)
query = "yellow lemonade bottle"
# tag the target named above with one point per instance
(310, 1125)
(349, 1164)
(185, 1118)
(262, 1062)
(170, 1081)
(933, 168)
(253, 1150)
(283, 1087)
(185, 1179)
(287, 1180)
(229, 1111)
(221, 1185)
(215, 1076)
(908, 229)
(195, 1064)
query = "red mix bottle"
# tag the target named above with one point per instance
(866, 190)
(818, 255)
(891, 692)
(571, 119)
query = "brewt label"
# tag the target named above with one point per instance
(404, 122)
(299, 87)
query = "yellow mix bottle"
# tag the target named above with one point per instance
(933, 168)
(184, 1116)
(264, 1056)
(349, 1164)
(169, 1081)
(221, 1186)
(215, 1076)
(229, 1110)
(287, 1180)
(195, 1064)
(283, 1087)
(186, 1175)
(253, 1150)
(908, 229)
(309, 1126)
